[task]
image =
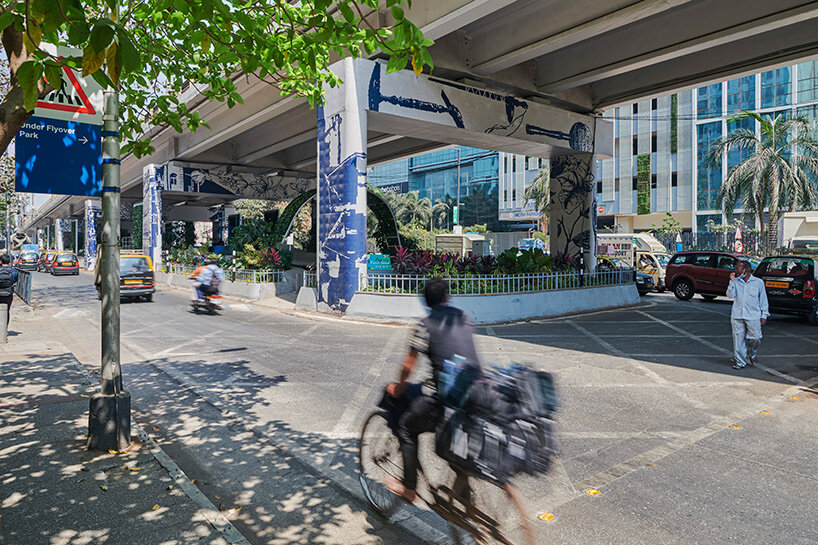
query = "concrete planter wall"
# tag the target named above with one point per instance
(244, 290)
(487, 309)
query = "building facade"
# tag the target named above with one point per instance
(660, 161)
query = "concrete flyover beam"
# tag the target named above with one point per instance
(574, 35)
(777, 21)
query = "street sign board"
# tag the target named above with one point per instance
(58, 157)
(59, 149)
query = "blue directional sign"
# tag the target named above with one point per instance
(58, 157)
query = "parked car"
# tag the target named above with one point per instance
(644, 283)
(705, 272)
(791, 283)
(135, 276)
(65, 263)
(27, 261)
(44, 262)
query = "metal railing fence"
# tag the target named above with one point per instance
(232, 275)
(496, 285)
(23, 286)
(309, 279)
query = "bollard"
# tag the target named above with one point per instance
(4, 333)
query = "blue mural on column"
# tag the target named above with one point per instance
(93, 210)
(573, 225)
(153, 179)
(341, 215)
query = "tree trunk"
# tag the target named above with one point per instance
(772, 234)
(12, 110)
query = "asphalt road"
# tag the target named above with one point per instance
(263, 408)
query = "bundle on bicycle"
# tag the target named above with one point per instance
(489, 425)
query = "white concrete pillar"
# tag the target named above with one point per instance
(58, 236)
(573, 208)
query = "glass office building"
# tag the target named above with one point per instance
(661, 162)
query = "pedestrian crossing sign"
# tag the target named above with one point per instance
(75, 98)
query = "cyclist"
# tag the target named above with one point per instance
(209, 279)
(446, 332)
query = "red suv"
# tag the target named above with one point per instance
(707, 273)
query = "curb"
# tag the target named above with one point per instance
(209, 511)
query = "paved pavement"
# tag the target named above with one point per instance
(263, 408)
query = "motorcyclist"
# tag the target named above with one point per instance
(446, 332)
(209, 279)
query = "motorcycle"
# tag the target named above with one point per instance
(209, 304)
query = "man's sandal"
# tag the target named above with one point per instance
(737, 366)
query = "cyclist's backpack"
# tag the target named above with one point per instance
(6, 280)
(454, 379)
(534, 391)
(214, 282)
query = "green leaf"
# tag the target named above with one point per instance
(32, 37)
(346, 11)
(102, 78)
(113, 65)
(53, 75)
(396, 62)
(101, 35)
(29, 75)
(128, 53)
(7, 19)
(397, 13)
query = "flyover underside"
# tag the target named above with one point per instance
(427, 108)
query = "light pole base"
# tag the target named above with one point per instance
(109, 422)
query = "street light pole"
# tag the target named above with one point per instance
(458, 186)
(109, 418)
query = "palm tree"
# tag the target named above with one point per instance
(778, 173)
(539, 192)
(410, 208)
(440, 212)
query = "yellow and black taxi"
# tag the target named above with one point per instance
(27, 261)
(65, 263)
(791, 284)
(44, 262)
(135, 276)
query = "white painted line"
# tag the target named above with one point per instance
(723, 350)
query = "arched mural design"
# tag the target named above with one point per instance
(388, 236)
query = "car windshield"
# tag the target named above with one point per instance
(28, 255)
(663, 259)
(63, 258)
(786, 266)
(133, 265)
(526, 243)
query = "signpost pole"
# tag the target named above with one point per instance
(109, 419)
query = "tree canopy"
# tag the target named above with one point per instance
(152, 50)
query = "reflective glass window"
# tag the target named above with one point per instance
(776, 88)
(808, 81)
(709, 176)
(741, 94)
(708, 101)
(736, 156)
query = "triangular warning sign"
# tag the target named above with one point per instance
(70, 96)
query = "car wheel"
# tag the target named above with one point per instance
(812, 317)
(683, 290)
(149, 297)
(708, 297)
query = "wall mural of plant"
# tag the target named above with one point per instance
(573, 221)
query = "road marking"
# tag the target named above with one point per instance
(723, 350)
(169, 351)
(658, 379)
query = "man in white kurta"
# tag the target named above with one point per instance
(750, 312)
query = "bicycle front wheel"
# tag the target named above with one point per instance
(379, 456)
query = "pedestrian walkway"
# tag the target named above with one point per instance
(55, 492)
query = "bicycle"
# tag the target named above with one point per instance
(463, 503)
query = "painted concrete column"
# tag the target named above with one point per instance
(572, 220)
(152, 183)
(93, 210)
(341, 184)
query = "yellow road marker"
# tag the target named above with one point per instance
(793, 397)
(545, 516)
(735, 426)
(764, 412)
(592, 491)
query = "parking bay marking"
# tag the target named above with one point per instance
(723, 350)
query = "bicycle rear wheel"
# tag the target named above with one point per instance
(379, 456)
(494, 515)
